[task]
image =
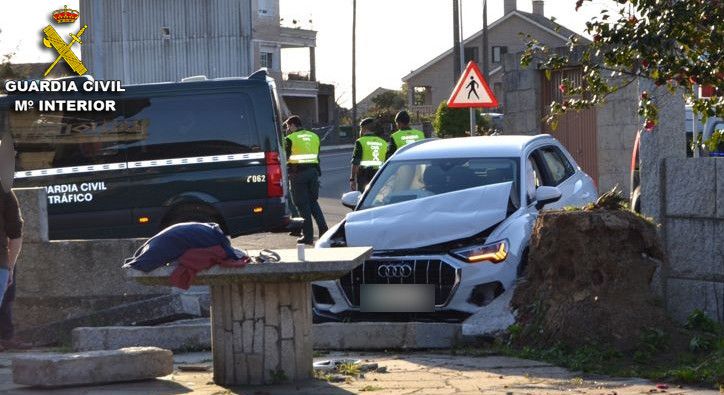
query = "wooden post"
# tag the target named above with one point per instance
(261, 332)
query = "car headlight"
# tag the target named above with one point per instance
(493, 253)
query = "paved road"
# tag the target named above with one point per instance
(334, 182)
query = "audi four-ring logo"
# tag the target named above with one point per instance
(394, 271)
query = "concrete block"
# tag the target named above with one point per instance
(686, 295)
(34, 209)
(491, 319)
(385, 335)
(692, 248)
(150, 311)
(181, 337)
(691, 187)
(720, 188)
(96, 367)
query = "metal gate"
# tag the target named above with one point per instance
(576, 130)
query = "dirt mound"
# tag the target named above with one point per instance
(588, 280)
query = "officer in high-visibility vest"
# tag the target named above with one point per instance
(369, 154)
(404, 134)
(302, 149)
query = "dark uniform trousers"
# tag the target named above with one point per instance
(305, 194)
(364, 176)
(7, 331)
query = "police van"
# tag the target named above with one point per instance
(198, 150)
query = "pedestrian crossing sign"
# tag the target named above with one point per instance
(472, 91)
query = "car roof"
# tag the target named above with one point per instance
(470, 147)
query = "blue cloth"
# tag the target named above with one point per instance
(4, 276)
(172, 242)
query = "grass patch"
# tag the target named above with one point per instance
(349, 369)
(655, 357)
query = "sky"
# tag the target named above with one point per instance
(394, 37)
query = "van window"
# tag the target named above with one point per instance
(140, 129)
(190, 126)
(57, 139)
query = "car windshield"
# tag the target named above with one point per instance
(409, 180)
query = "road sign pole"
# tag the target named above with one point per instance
(472, 122)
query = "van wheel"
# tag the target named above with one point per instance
(636, 200)
(192, 212)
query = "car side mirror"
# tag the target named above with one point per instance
(350, 199)
(545, 195)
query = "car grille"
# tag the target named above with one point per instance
(444, 276)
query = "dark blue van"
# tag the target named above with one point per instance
(206, 150)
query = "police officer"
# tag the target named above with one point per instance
(369, 153)
(404, 134)
(302, 148)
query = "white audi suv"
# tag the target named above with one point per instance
(450, 222)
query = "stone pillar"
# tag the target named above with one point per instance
(312, 64)
(261, 332)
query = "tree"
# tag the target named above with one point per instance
(388, 101)
(455, 122)
(675, 43)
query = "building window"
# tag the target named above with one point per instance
(267, 60)
(498, 53)
(420, 95)
(471, 54)
(265, 8)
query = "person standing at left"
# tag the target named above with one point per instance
(10, 244)
(302, 149)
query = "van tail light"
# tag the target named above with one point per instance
(274, 187)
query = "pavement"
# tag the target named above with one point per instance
(408, 373)
(335, 164)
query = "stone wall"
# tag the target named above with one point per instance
(617, 123)
(522, 97)
(57, 280)
(692, 211)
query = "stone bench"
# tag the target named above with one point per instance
(261, 314)
(93, 367)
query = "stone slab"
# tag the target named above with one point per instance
(183, 337)
(691, 187)
(327, 336)
(491, 319)
(720, 189)
(318, 264)
(385, 335)
(686, 295)
(94, 367)
(34, 207)
(150, 311)
(692, 248)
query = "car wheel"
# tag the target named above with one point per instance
(192, 212)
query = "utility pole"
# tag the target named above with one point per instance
(354, 68)
(485, 56)
(456, 41)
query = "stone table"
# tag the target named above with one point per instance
(261, 315)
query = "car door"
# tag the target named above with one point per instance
(557, 171)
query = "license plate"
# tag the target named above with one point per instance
(397, 298)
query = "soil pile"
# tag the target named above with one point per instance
(588, 280)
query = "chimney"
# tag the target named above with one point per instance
(509, 6)
(538, 7)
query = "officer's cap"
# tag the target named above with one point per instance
(366, 121)
(402, 117)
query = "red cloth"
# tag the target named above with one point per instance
(195, 260)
